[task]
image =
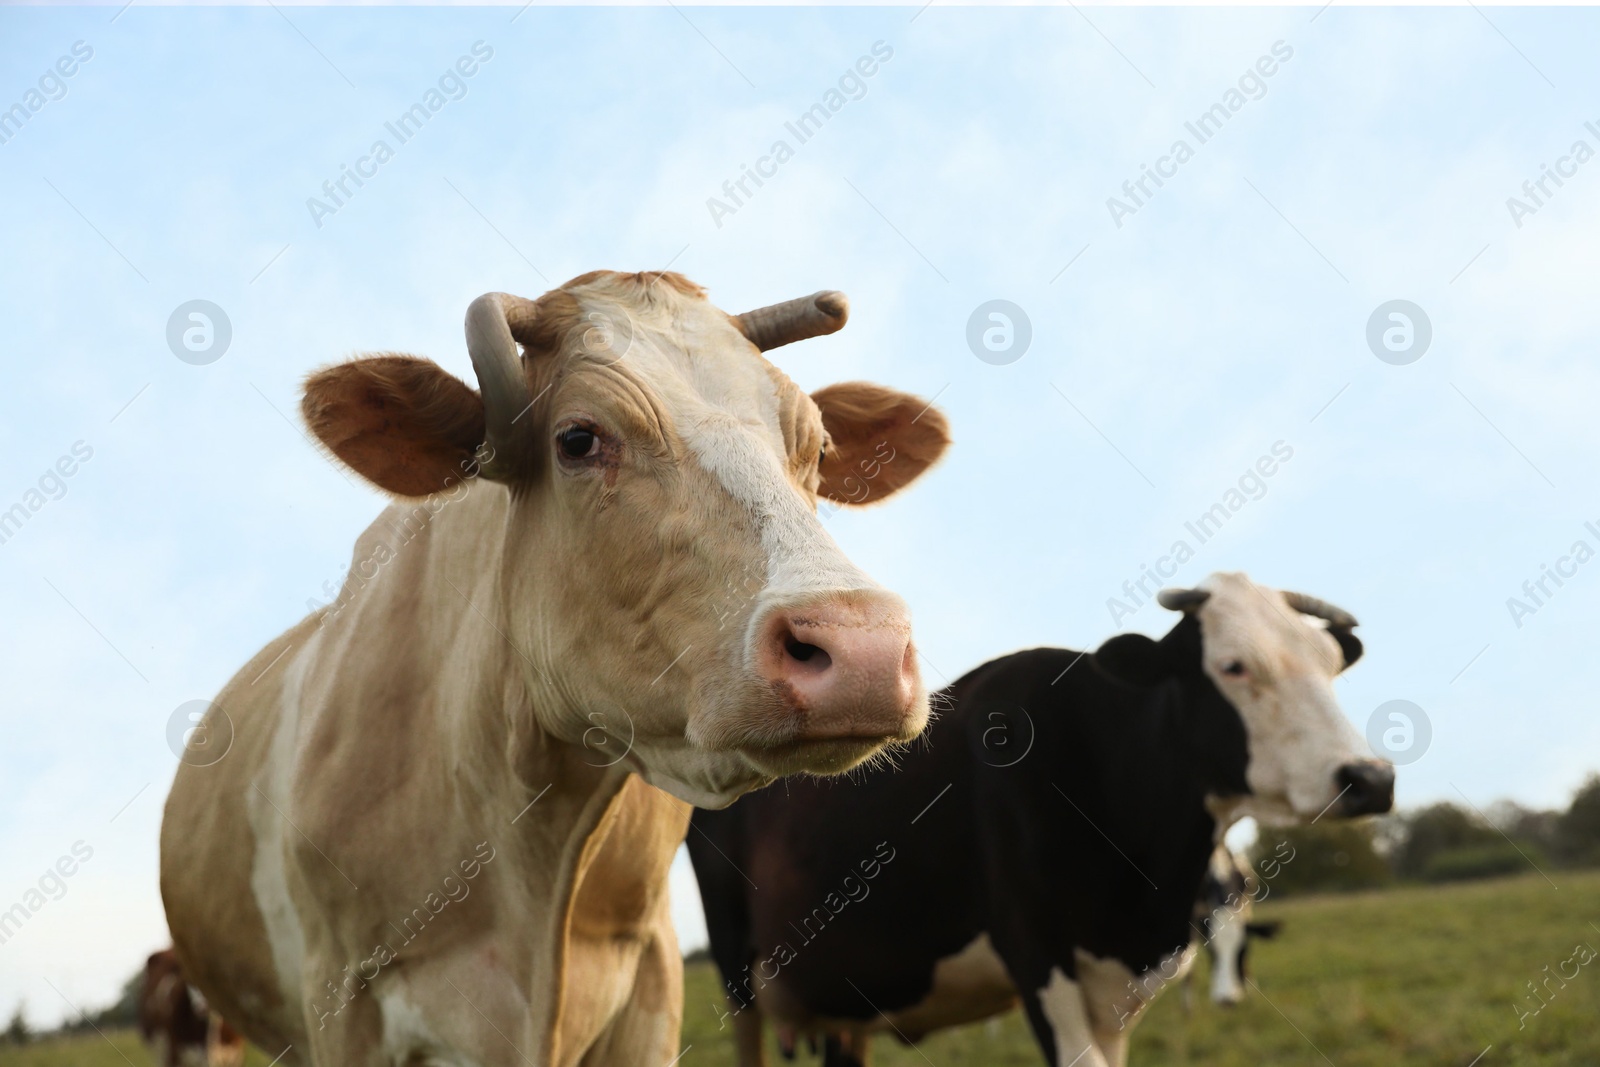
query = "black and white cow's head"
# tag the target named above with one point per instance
(1256, 665)
(1224, 917)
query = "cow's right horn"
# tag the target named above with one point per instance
(1182, 599)
(795, 320)
(1334, 615)
(493, 320)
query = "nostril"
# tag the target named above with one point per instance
(1368, 788)
(814, 656)
(837, 667)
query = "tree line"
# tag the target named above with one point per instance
(1442, 842)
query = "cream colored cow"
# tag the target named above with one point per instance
(432, 840)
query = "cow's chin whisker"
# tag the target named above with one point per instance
(886, 758)
(852, 756)
(772, 736)
(768, 743)
(828, 757)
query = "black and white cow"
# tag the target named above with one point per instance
(1224, 924)
(1044, 842)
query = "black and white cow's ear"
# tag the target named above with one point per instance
(1349, 644)
(1132, 659)
(1340, 622)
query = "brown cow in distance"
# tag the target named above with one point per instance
(175, 1022)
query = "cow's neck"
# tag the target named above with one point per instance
(433, 617)
(1183, 822)
(552, 795)
(1143, 787)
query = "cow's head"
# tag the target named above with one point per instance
(1228, 936)
(1224, 913)
(661, 566)
(1255, 667)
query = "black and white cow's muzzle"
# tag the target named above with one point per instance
(1366, 787)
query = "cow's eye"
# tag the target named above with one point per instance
(1234, 668)
(579, 442)
(822, 455)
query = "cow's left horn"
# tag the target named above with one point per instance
(1182, 599)
(1310, 605)
(492, 321)
(795, 320)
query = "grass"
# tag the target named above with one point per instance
(113, 1048)
(1421, 977)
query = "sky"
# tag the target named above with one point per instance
(1177, 334)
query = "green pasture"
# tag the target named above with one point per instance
(1421, 977)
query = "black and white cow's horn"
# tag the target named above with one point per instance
(494, 321)
(1182, 599)
(1310, 605)
(795, 320)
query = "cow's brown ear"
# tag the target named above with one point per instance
(400, 422)
(880, 440)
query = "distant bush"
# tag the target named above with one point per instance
(17, 1032)
(1479, 861)
(124, 1012)
(1525, 824)
(1327, 857)
(1576, 839)
(1433, 831)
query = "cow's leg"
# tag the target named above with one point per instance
(224, 1045)
(1116, 998)
(1061, 1023)
(836, 1054)
(454, 1010)
(1114, 1045)
(847, 1049)
(1112, 1026)
(747, 1037)
(347, 1035)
